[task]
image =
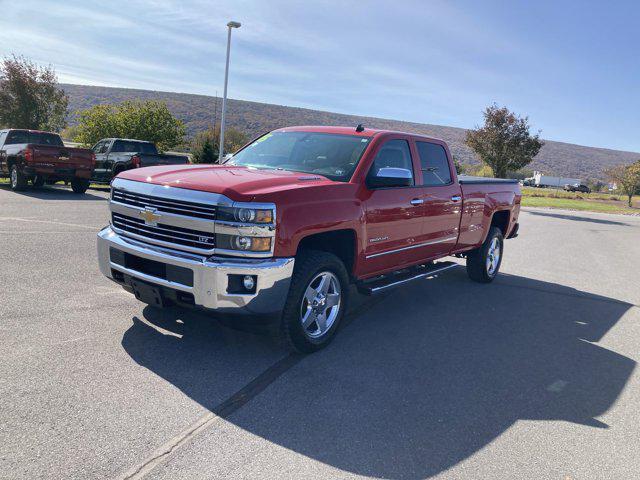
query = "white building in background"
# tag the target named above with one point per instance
(541, 180)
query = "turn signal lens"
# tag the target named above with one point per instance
(264, 216)
(260, 244)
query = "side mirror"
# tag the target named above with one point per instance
(390, 177)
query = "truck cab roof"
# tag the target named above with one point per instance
(125, 139)
(365, 133)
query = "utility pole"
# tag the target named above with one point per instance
(230, 25)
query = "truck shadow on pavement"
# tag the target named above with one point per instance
(55, 193)
(421, 381)
(577, 218)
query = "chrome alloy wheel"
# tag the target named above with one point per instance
(14, 177)
(493, 257)
(320, 304)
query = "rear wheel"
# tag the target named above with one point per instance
(316, 302)
(484, 263)
(18, 179)
(79, 185)
(38, 181)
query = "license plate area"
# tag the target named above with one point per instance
(171, 273)
(147, 293)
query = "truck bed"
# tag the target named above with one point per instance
(469, 180)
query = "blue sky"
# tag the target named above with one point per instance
(572, 66)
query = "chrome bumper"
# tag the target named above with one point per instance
(210, 275)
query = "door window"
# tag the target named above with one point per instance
(2, 137)
(393, 154)
(17, 137)
(98, 147)
(434, 164)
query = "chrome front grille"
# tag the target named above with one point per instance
(164, 233)
(183, 219)
(166, 205)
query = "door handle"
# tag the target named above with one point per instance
(417, 201)
(456, 198)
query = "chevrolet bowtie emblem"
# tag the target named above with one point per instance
(149, 216)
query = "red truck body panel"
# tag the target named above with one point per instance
(53, 160)
(388, 231)
(60, 161)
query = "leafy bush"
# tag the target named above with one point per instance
(149, 120)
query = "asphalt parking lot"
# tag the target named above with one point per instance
(533, 376)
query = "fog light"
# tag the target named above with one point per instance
(248, 282)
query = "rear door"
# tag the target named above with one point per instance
(393, 215)
(442, 200)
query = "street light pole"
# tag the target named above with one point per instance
(224, 95)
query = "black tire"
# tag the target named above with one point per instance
(119, 169)
(309, 265)
(38, 181)
(18, 179)
(79, 185)
(477, 260)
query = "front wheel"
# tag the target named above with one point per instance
(484, 262)
(79, 185)
(316, 302)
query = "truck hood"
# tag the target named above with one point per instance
(235, 182)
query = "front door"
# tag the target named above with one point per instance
(100, 149)
(393, 215)
(3, 153)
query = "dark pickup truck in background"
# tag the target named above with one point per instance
(115, 155)
(39, 157)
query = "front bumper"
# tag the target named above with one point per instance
(210, 275)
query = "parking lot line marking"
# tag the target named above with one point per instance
(17, 219)
(222, 411)
(232, 404)
(557, 386)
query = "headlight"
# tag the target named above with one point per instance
(243, 243)
(245, 215)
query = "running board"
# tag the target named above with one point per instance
(378, 285)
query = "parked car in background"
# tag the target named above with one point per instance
(296, 216)
(577, 187)
(41, 157)
(115, 155)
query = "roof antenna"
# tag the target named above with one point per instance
(360, 128)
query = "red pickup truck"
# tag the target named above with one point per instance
(42, 157)
(297, 216)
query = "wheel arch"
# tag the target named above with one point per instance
(501, 220)
(342, 243)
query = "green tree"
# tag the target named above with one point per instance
(208, 153)
(142, 120)
(233, 140)
(30, 97)
(504, 142)
(461, 168)
(627, 178)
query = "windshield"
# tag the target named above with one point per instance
(333, 156)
